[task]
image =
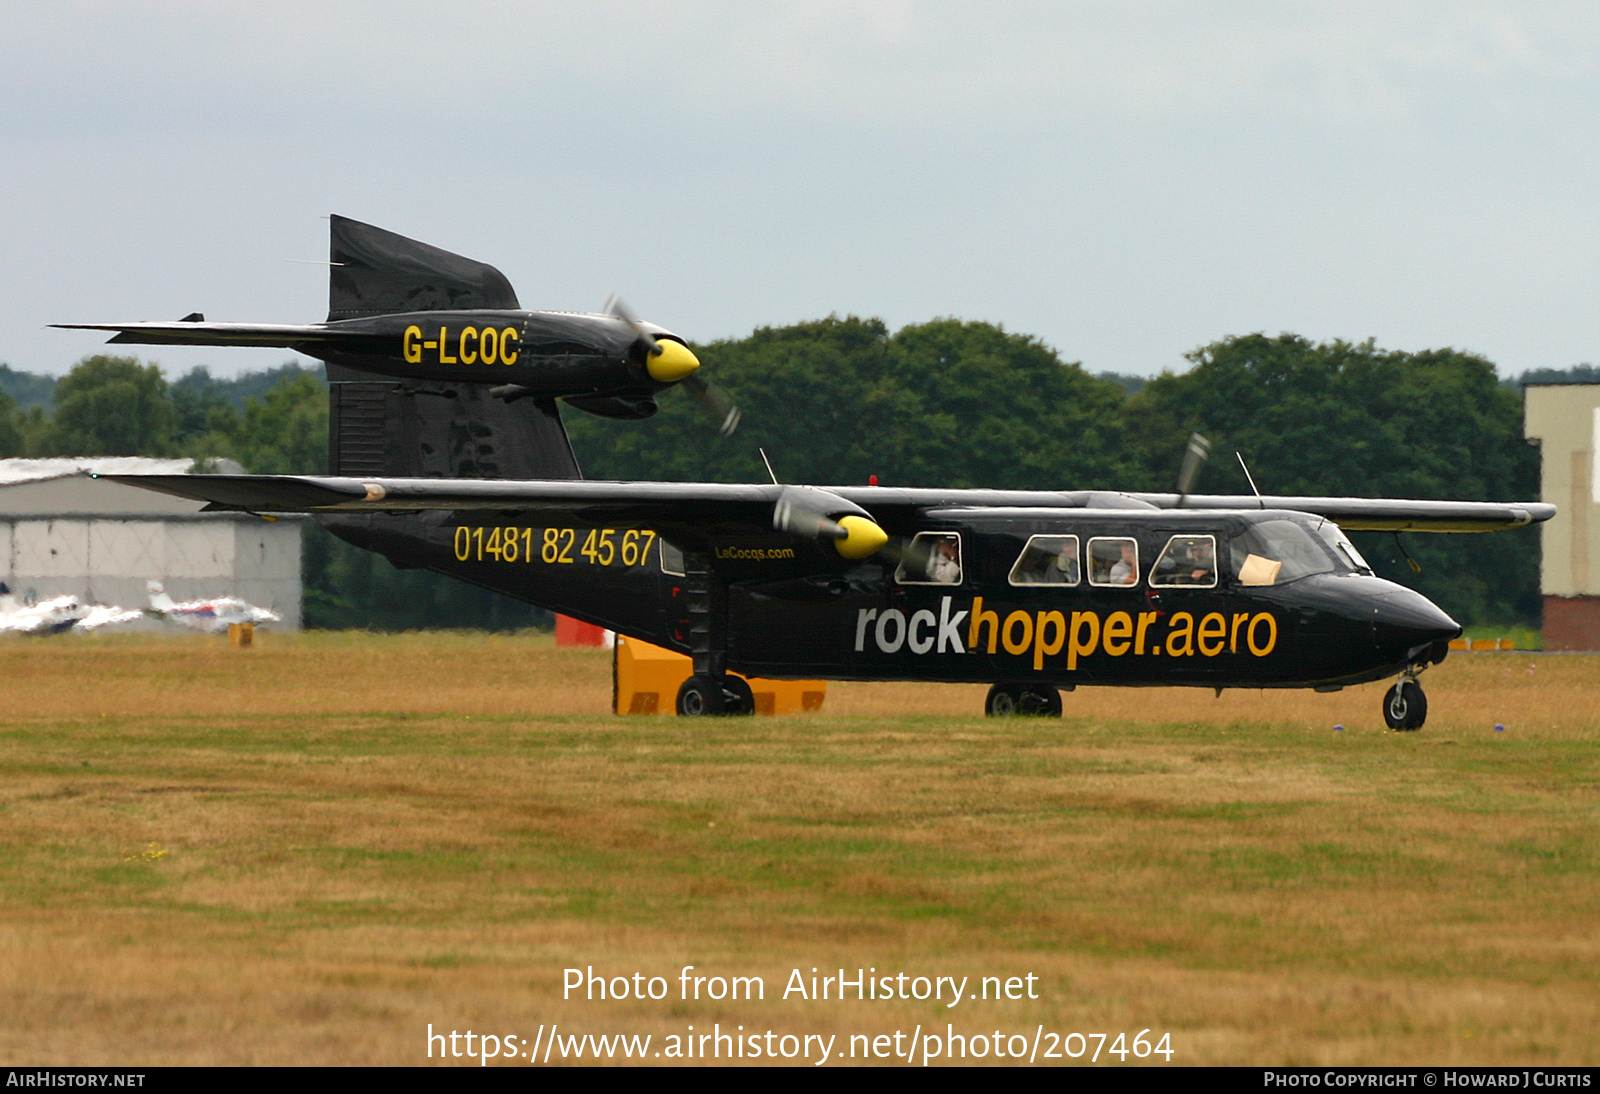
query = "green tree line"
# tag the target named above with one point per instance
(941, 403)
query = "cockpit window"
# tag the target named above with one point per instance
(934, 558)
(1275, 551)
(1331, 534)
(671, 559)
(1187, 560)
(1047, 560)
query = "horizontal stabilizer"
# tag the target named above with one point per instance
(190, 333)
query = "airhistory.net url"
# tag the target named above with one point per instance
(549, 1045)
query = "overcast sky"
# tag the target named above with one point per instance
(1125, 181)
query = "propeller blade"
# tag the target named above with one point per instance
(798, 519)
(800, 512)
(903, 551)
(617, 308)
(714, 403)
(1199, 448)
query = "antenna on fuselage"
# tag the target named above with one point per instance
(1251, 480)
(768, 462)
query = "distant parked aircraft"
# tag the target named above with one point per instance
(58, 614)
(213, 616)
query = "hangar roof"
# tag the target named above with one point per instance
(62, 487)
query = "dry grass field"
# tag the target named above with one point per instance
(309, 851)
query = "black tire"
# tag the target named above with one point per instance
(737, 696)
(1003, 701)
(1405, 707)
(700, 697)
(1041, 701)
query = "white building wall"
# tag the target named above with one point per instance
(1565, 419)
(51, 548)
(109, 561)
(199, 548)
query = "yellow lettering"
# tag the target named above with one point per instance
(1233, 641)
(408, 345)
(1186, 647)
(1077, 647)
(444, 347)
(1213, 626)
(1259, 649)
(508, 356)
(979, 616)
(1145, 619)
(465, 359)
(1020, 646)
(1119, 629)
(1042, 648)
(489, 345)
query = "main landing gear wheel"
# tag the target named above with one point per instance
(701, 696)
(1037, 700)
(1404, 706)
(740, 699)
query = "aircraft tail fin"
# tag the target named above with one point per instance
(392, 429)
(378, 272)
(159, 600)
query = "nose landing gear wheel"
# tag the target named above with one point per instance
(1002, 701)
(1038, 700)
(1404, 706)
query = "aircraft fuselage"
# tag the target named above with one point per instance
(792, 611)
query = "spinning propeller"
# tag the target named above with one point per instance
(670, 362)
(803, 511)
(1199, 448)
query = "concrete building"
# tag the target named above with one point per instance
(1565, 420)
(63, 532)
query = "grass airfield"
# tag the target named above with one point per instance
(308, 851)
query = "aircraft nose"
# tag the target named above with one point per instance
(670, 362)
(1405, 623)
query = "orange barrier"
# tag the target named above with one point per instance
(1481, 645)
(573, 632)
(645, 679)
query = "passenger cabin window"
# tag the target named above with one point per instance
(1113, 560)
(1047, 560)
(934, 558)
(1187, 560)
(671, 559)
(1277, 551)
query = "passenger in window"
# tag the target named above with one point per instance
(1125, 571)
(1062, 568)
(944, 565)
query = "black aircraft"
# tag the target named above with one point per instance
(447, 452)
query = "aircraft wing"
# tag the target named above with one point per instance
(1378, 514)
(188, 333)
(751, 506)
